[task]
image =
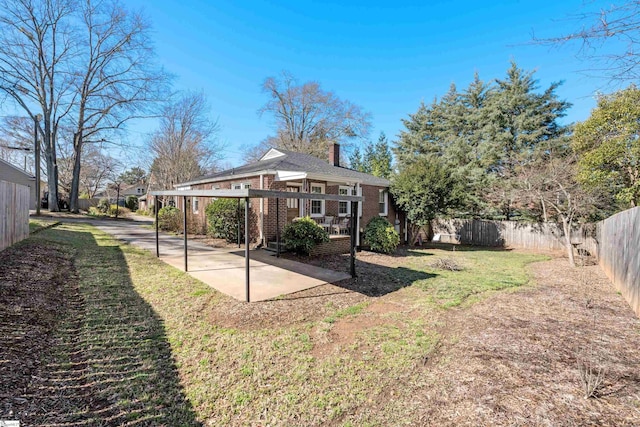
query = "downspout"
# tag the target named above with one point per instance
(262, 211)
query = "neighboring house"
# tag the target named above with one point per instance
(11, 173)
(126, 190)
(138, 190)
(294, 172)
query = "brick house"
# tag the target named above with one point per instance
(284, 170)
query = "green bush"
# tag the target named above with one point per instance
(222, 219)
(170, 219)
(93, 211)
(380, 235)
(122, 211)
(131, 203)
(302, 235)
(103, 206)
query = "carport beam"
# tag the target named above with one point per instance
(246, 243)
(184, 227)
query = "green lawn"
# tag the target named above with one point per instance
(36, 224)
(149, 335)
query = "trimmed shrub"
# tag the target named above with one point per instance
(222, 219)
(302, 235)
(170, 219)
(380, 235)
(131, 203)
(122, 211)
(103, 206)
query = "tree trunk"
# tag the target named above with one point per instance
(566, 227)
(52, 165)
(75, 180)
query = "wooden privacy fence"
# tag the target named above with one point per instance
(615, 242)
(545, 237)
(619, 253)
(85, 204)
(14, 210)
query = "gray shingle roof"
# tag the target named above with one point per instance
(296, 162)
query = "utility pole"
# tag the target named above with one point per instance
(36, 119)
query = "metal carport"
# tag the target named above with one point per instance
(250, 193)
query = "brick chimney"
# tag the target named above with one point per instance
(334, 154)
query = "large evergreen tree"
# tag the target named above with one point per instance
(484, 134)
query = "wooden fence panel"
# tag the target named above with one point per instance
(14, 210)
(545, 237)
(619, 253)
(85, 204)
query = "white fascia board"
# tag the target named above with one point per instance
(229, 177)
(290, 175)
(334, 178)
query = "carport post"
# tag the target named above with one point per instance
(354, 210)
(238, 219)
(277, 227)
(184, 226)
(246, 243)
(157, 243)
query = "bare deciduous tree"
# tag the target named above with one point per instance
(16, 142)
(307, 118)
(35, 43)
(597, 34)
(551, 180)
(185, 146)
(116, 78)
(97, 169)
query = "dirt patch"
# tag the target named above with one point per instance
(512, 359)
(33, 298)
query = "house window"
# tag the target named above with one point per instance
(344, 207)
(194, 203)
(383, 202)
(293, 203)
(317, 206)
(240, 186)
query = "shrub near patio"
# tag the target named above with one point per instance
(303, 235)
(223, 216)
(381, 236)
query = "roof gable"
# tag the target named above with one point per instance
(276, 160)
(22, 171)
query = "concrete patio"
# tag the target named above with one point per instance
(224, 269)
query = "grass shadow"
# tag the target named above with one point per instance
(112, 364)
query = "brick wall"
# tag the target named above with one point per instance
(198, 221)
(337, 245)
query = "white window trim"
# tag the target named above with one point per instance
(386, 203)
(322, 204)
(350, 191)
(240, 185)
(195, 205)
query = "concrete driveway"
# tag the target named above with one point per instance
(224, 269)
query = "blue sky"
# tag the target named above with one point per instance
(384, 56)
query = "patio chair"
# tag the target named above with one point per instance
(342, 227)
(326, 223)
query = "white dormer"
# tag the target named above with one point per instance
(272, 154)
